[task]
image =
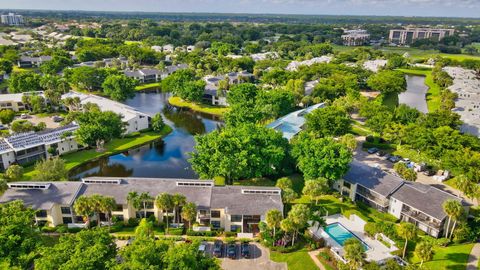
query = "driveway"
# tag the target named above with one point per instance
(260, 260)
(35, 119)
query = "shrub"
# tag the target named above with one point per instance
(74, 230)
(207, 234)
(132, 222)
(174, 231)
(62, 228)
(230, 234)
(47, 229)
(370, 139)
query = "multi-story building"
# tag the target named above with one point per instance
(27, 61)
(408, 201)
(12, 19)
(357, 37)
(12, 102)
(213, 95)
(134, 120)
(26, 148)
(144, 75)
(409, 35)
(233, 208)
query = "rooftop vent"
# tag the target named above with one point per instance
(195, 184)
(260, 191)
(41, 186)
(102, 181)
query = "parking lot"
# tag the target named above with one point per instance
(259, 258)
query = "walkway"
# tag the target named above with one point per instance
(474, 257)
(313, 254)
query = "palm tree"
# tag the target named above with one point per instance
(144, 198)
(3, 186)
(164, 202)
(189, 213)
(84, 208)
(178, 201)
(107, 205)
(354, 253)
(287, 225)
(424, 251)
(133, 199)
(96, 201)
(273, 218)
(408, 232)
(465, 185)
(454, 210)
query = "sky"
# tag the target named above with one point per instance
(447, 8)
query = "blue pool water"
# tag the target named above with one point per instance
(340, 234)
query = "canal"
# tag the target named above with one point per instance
(415, 96)
(167, 157)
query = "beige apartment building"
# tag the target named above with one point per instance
(232, 208)
(409, 35)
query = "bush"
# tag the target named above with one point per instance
(47, 229)
(206, 234)
(370, 139)
(230, 234)
(74, 230)
(132, 222)
(174, 231)
(62, 228)
(123, 237)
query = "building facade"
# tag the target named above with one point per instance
(232, 208)
(355, 37)
(410, 35)
(12, 19)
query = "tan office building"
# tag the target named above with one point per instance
(409, 35)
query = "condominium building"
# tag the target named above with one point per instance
(232, 208)
(357, 37)
(409, 35)
(408, 201)
(215, 97)
(26, 148)
(12, 19)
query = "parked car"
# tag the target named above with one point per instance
(218, 249)
(202, 248)
(245, 250)
(372, 150)
(2, 127)
(57, 119)
(232, 251)
(394, 159)
(381, 153)
(429, 172)
(24, 116)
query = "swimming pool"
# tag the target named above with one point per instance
(340, 234)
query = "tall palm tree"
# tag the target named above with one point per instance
(178, 201)
(133, 199)
(144, 198)
(164, 202)
(96, 201)
(407, 231)
(107, 205)
(189, 213)
(84, 208)
(273, 218)
(454, 210)
(424, 251)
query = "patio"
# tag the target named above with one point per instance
(376, 252)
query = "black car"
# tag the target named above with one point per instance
(372, 150)
(217, 249)
(245, 250)
(232, 251)
(381, 153)
(394, 159)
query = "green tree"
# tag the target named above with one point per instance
(144, 229)
(165, 203)
(396, 61)
(186, 256)
(6, 66)
(189, 213)
(119, 87)
(88, 249)
(242, 94)
(19, 237)
(296, 220)
(273, 219)
(315, 189)
(424, 251)
(88, 78)
(245, 151)
(97, 126)
(354, 253)
(178, 201)
(3, 186)
(467, 186)
(107, 204)
(329, 121)
(143, 253)
(454, 210)
(157, 122)
(24, 82)
(349, 141)
(388, 82)
(51, 170)
(14, 172)
(407, 231)
(320, 157)
(405, 172)
(7, 116)
(84, 207)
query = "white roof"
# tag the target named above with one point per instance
(11, 97)
(293, 66)
(374, 65)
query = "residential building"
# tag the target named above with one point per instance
(294, 65)
(12, 19)
(357, 37)
(264, 56)
(215, 96)
(408, 201)
(107, 62)
(144, 75)
(12, 102)
(375, 65)
(410, 35)
(292, 123)
(135, 120)
(232, 208)
(27, 61)
(26, 148)
(171, 69)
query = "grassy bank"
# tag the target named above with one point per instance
(147, 86)
(73, 160)
(433, 94)
(295, 260)
(198, 107)
(451, 257)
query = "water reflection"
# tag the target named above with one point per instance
(163, 158)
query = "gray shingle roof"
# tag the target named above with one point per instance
(63, 193)
(372, 178)
(425, 198)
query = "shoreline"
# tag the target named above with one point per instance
(202, 108)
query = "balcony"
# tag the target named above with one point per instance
(422, 218)
(379, 201)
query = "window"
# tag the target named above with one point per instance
(236, 228)
(236, 218)
(67, 220)
(119, 207)
(215, 214)
(41, 213)
(66, 210)
(215, 224)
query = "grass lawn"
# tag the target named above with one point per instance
(204, 108)
(453, 257)
(298, 260)
(147, 86)
(415, 156)
(433, 94)
(73, 160)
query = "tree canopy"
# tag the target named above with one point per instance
(388, 82)
(98, 126)
(119, 87)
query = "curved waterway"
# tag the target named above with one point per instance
(167, 157)
(415, 96)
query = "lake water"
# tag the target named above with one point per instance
(415, 96)
(167, 157)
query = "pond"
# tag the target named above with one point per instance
(415, 96)
(167, 157)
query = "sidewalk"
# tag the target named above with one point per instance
(474, 257)
(313, 254)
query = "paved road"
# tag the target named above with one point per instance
(474, 257)
(260, 260)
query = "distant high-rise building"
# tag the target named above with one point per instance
(355, 37)
(409, 35)
(12, 19)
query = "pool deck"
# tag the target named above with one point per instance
(377, 252)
